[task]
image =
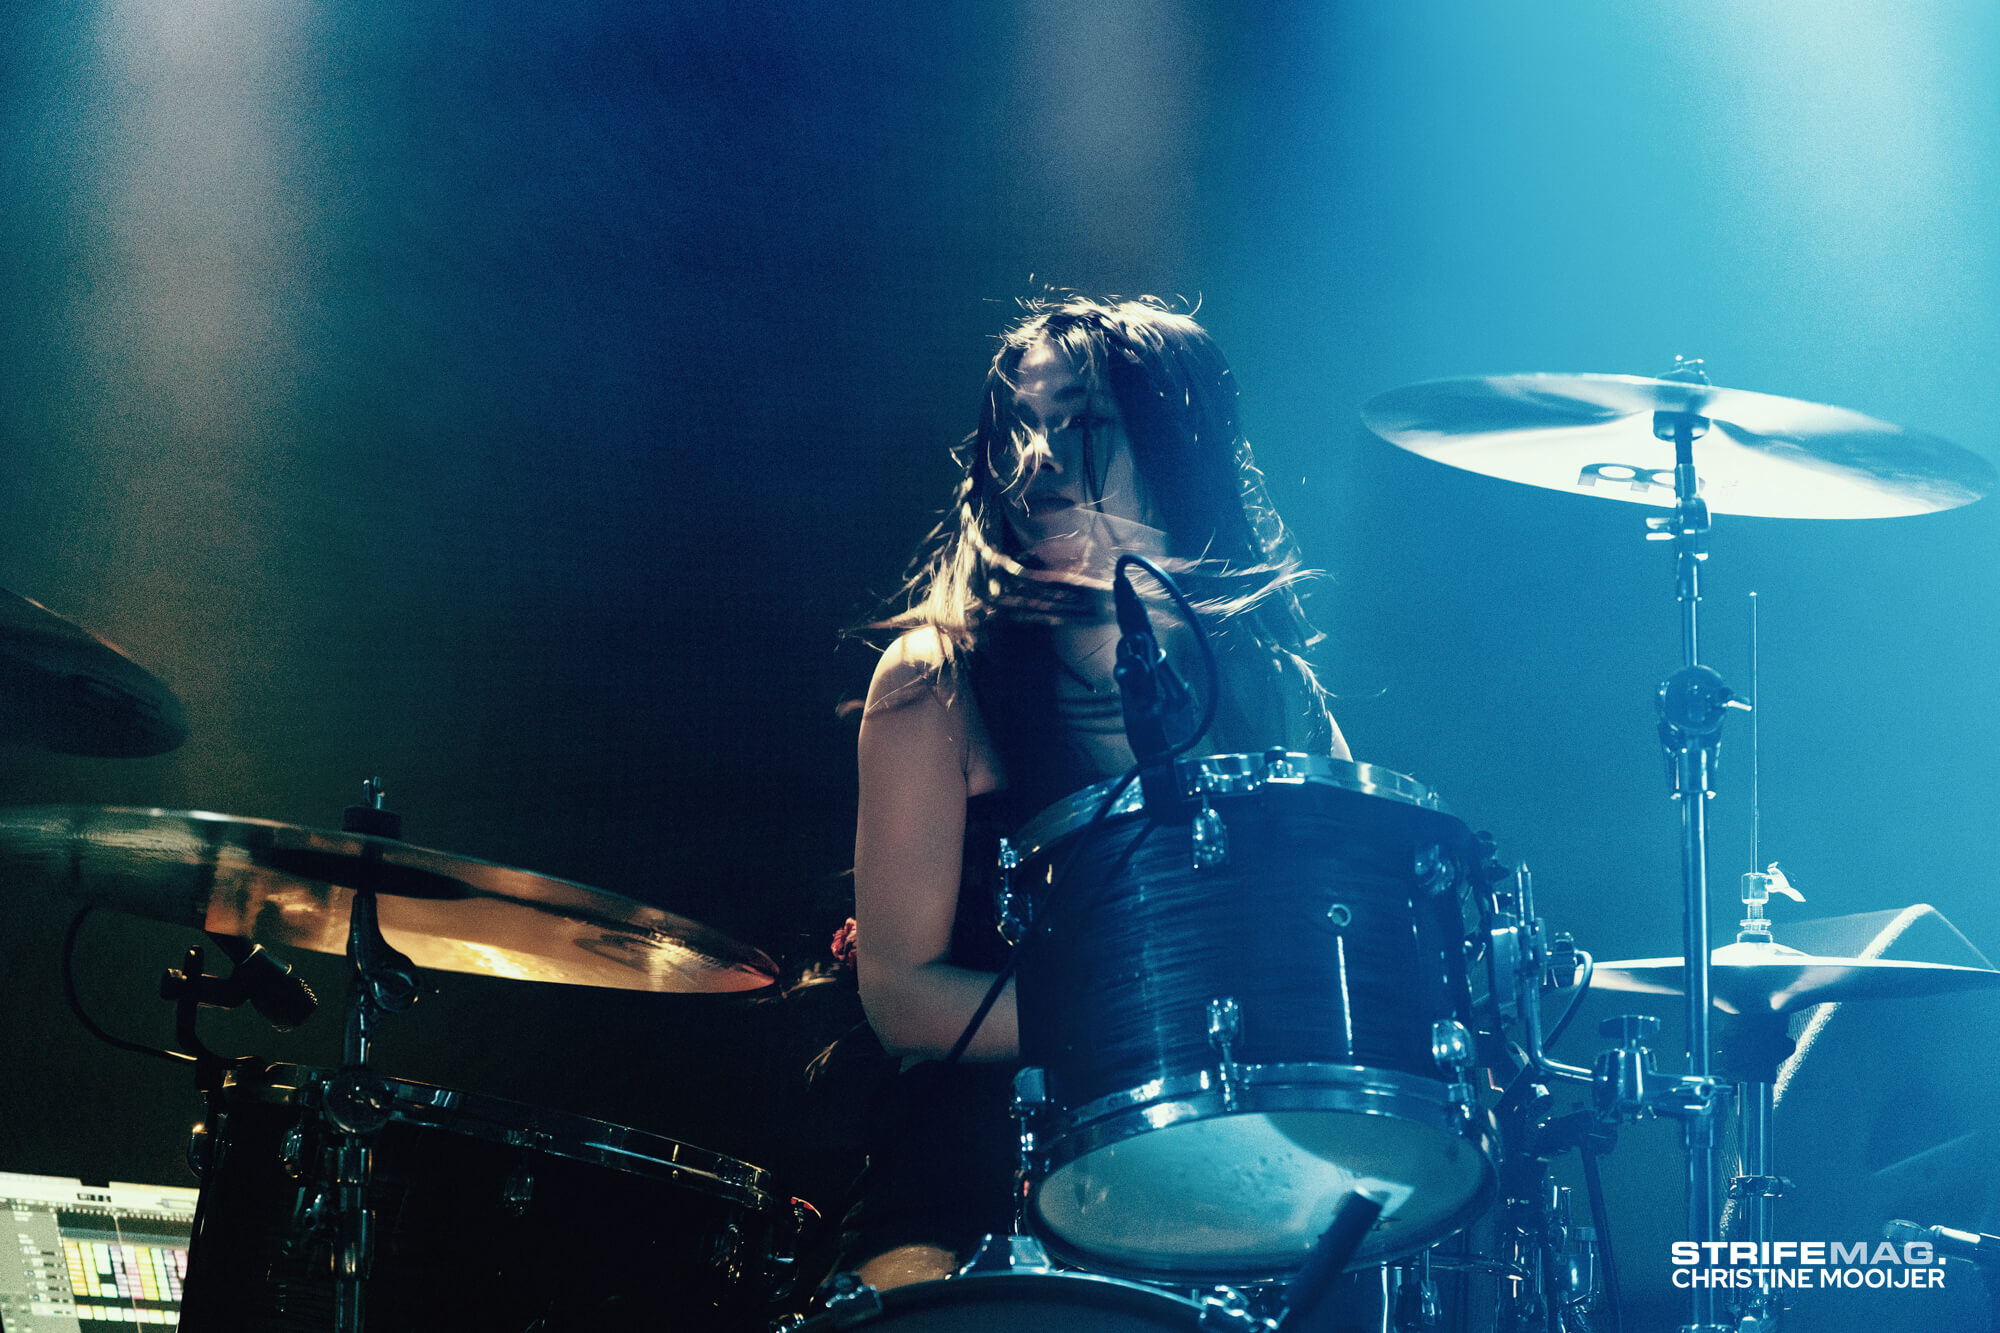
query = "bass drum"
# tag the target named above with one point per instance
(1244, 1010)
(489, 1216)
(1017, 1302)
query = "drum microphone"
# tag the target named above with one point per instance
(1974, 1246)
(1159, 712)
(1155, 698)
(272, 988)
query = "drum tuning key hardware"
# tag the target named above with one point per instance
(1008, 908)
(1225, 1030)
(1451, 1047)
(1208, 837)
(1227, 1310)
(1030, 1100)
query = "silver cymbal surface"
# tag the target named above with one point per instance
(1761, 455)
(1751, 978)
(286, 885)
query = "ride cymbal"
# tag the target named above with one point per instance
(1759, 454)
(286, 885)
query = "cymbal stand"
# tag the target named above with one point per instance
(351, 1106)
(1752, 1047)
(1692, 704)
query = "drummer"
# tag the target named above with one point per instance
(1105, 427)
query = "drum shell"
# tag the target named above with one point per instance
(1335, 925)
(1229, 1048)
(488, 1215)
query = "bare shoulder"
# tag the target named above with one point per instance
(912, 670)
(917, 698)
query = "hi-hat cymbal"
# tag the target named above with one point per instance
(1761, 455)
(1751, 978)
(64, 689)
(287, 885)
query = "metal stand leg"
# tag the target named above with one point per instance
(1692, 706)
(1751, 1049)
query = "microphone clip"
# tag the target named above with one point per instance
(255, 976)
(1159, 711)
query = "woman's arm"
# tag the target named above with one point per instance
(915, 756)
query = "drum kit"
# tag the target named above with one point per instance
(1285, 1019)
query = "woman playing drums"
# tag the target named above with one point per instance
(1105, 428)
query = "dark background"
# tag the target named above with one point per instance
(516, 399)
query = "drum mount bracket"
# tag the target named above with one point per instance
(1692, 705)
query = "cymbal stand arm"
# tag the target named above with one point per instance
(1692, 705)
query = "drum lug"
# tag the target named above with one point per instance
(201, 1150)
(1210, 838)
(1225, 1310)
(1433, 870)
(292, 1152)
(518, 1192)
(723, 1247)
(1031, 1098)
(1281, 766)
(781, 1261)
(1451, 1047)
(1225, 1029)
(1007, 906)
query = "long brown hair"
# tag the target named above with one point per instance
(1226, 544)
(1178, 398)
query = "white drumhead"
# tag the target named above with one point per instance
(1251, 1193)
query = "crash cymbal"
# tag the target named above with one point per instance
(64, 689)
(1750, 978)
(286, 885)
(1761, 455)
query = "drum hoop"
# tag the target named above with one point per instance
(563, 1134)
(1348, 1089)
(1297, 1091)
(1375, 1250)
(1229, 775)
(969, 1287)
